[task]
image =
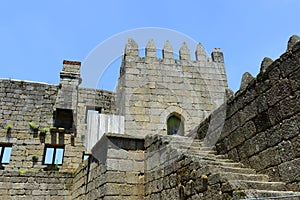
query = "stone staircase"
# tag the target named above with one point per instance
(236, 180)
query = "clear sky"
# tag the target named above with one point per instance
(36, 36)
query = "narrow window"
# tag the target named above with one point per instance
(54, 154)
(175, 126)
(5, 150)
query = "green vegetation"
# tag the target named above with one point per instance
(9, 127)
(22, 171)
(44, 130)
(32, 125)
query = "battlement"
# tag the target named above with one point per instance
(131, 53)
(152, 89)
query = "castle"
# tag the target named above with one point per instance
(172, 130)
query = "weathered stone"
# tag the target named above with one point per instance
(150, 50)
(246, 79)
(289, 171)
(168, 51)
(184, 52)
(292, 41)
(131, 48)
(265, 63)
(217, 55)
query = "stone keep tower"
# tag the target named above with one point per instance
(167, 95)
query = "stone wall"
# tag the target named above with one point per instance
(92, 99)
(28, 144)
(171, 172)
(151, 89)
(118, 172)
(23, 102)
(22, 184)
(261, 121)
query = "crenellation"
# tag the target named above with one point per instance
(293, 40)
(265, 63)
(131, 49)
(184, 52)
(167, 50)
(200, 53)
(150, 50)
(217, 55)
(246, 79)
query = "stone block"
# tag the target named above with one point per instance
(289, 171)
(286, 151)
(267, 158)
(117, 153)
(290, 105)
(288, 66)
(278, 91)
(236, 138)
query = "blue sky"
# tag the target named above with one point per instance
(36, 36)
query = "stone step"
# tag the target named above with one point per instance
(225, 169)
(226, 164)
(221, 156)
(187, 143)
(232, 185)
(254, 194)
(217, 162)
(201, 149)
(200, 153)
(224, 177)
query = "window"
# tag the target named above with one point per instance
(54, 154)
(175, 126)
(5, 150)
(85, 156)
(64, 118)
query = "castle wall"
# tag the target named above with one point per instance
(22, 102)
(118, 172)
(262, 120)
(151, 89)
(172, 173)
(18, 184)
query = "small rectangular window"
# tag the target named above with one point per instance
(85, 156)
(54, 154)
(5, 152)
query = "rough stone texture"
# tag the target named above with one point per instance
(177, 167)
(150, 90)
(23, 102)
(118, 172)
(292, 41)
(261, 125)
(27, 144)
(246, 79)
(265, 64)
(31, 184)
